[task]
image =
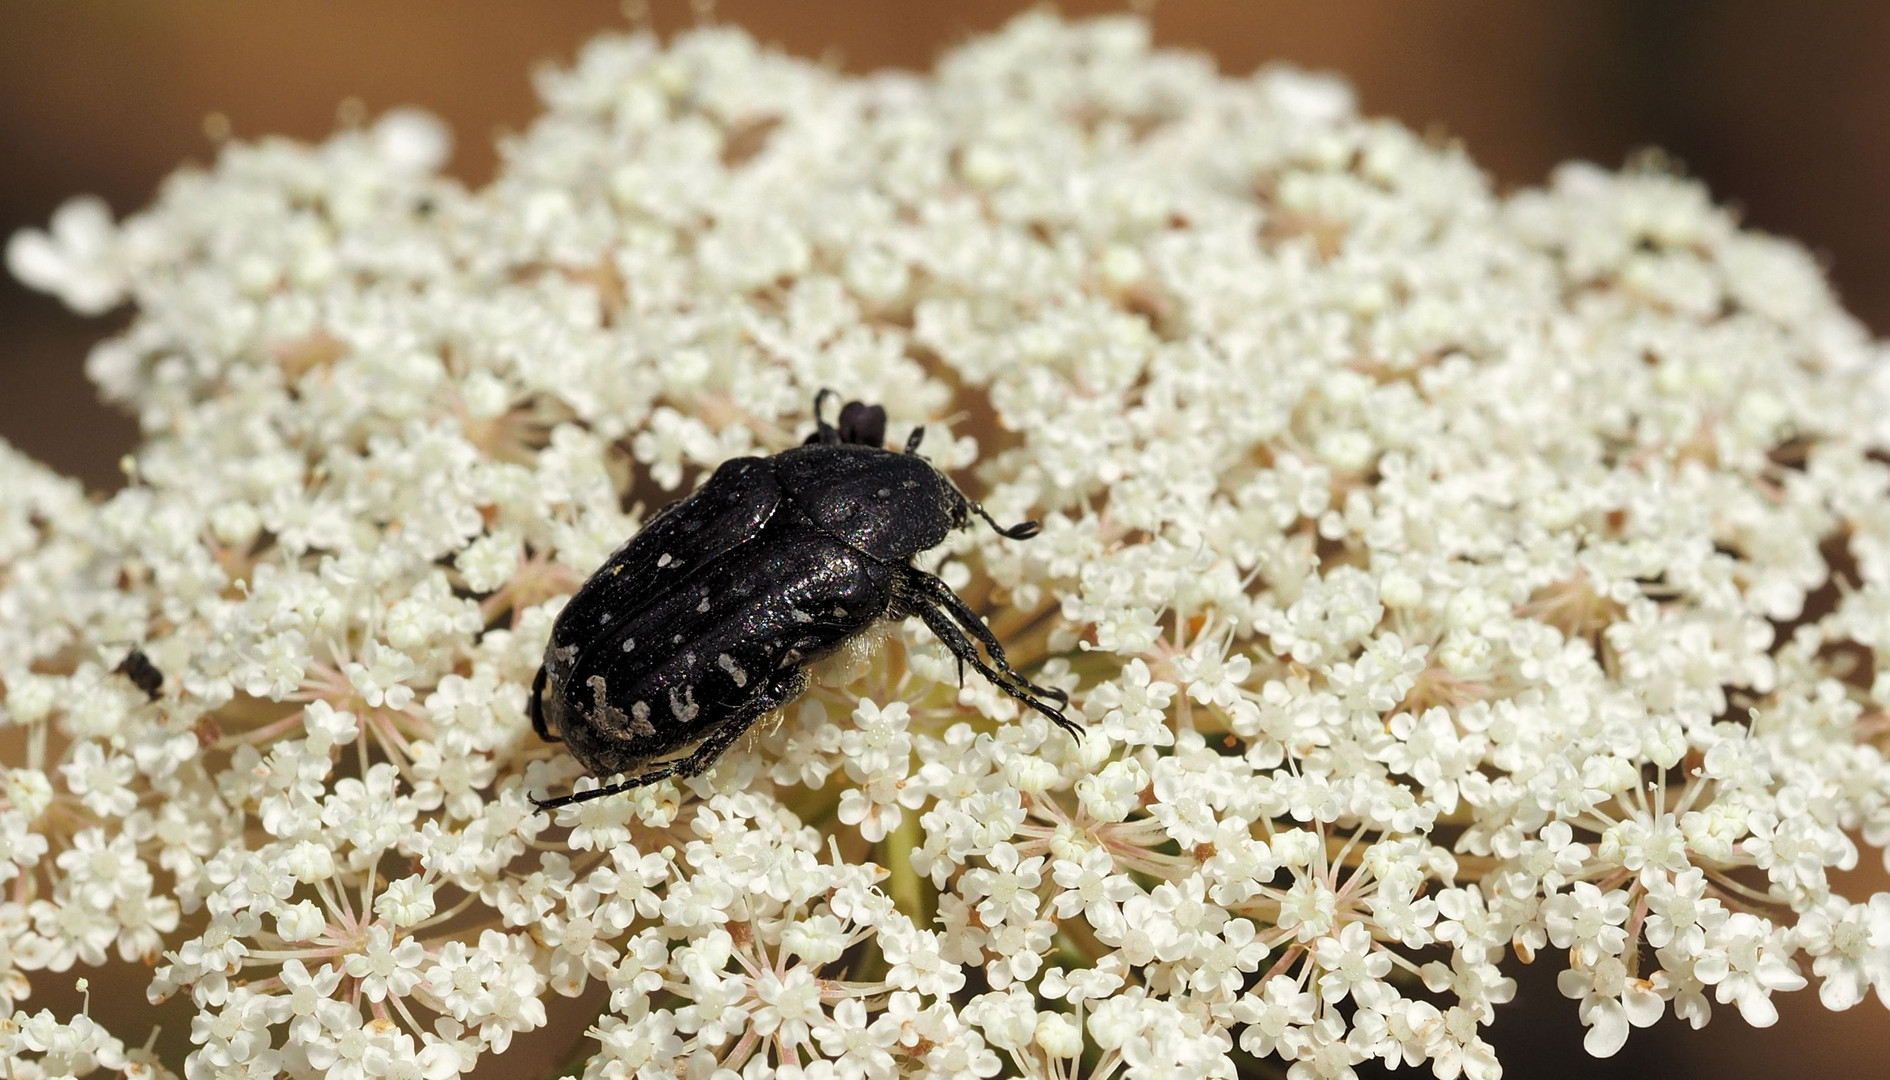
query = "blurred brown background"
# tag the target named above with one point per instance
(1783, 110)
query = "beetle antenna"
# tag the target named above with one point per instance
(912, 440)
(1023, 530)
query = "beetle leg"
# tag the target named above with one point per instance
(824, 433)
(538, 708)
(902, 608)
(863, 425)
(941, 594)
(939, 618)
(784, 690)
(594, 793)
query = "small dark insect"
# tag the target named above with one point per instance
(705, 621)
(142, 672)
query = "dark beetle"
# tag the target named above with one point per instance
(706, 620)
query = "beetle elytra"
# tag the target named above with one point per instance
(706, 620)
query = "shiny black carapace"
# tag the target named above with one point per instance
(706, 620)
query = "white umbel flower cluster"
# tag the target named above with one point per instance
(1440, 576)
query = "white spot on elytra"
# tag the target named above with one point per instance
(603, 619)
(735, 671)
(684, 707)
(839, 612)
(908, 484)
(675, 639)
(704, 606)
(664, 560)
(883, 492)
(799, 615)
(629, 643)
(612, 718)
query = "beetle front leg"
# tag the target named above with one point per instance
(917, 581)
(938, 617)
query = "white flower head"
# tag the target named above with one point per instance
(1438, 575)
